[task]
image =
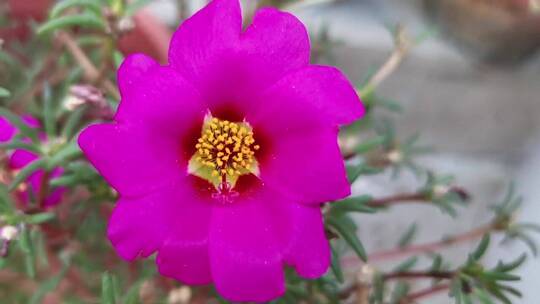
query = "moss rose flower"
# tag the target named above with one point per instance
(223, 157)
(20, 158)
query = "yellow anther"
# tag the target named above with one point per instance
(227, 149)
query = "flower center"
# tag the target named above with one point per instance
(224, 151)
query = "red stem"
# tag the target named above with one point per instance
(418, 275)
(425, 248)
(431, 247)
(415, 296)
(44, 189)
(398, 199)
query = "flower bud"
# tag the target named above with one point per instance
(126, 24)
(440, 191)
(9, 233)
(366, 275)
(395, 156)
(181, 295)
(84, 94)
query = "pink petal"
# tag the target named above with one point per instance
(185, 260)
(247, 240)
(230, 68)
(201, 40)
(20, 158)
(55, 194)
(7, 130)
(275, 44)
(161, 100)
(31, 121)
(133, 70)
(174, 216)
(136, 227)
(133, 160)
(34, 189)
(35, 181)
(307, 166)
(54, 197)
(184, 254)
(310, 97)
(309, 251)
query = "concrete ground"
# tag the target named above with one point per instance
(483, 121)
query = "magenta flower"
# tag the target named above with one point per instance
(223, 157)
(20, 158)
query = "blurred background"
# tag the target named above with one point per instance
(471, 89)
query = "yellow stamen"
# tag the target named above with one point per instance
(226, 149)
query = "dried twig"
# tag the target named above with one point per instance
(91, 73)
(432, 247)
(428, 292)
(402, 48)
(418, 275)
(398, 199)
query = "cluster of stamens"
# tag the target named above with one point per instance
(228, 148)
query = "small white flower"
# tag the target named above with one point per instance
(395, 156)
(181, 295)
(9, 233)
(73, 102)
(125, 24)
(366, 274)
(440, 190)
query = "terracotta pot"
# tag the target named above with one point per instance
(149, 36)
(20, 13)
(496, 31)
(24, 10)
